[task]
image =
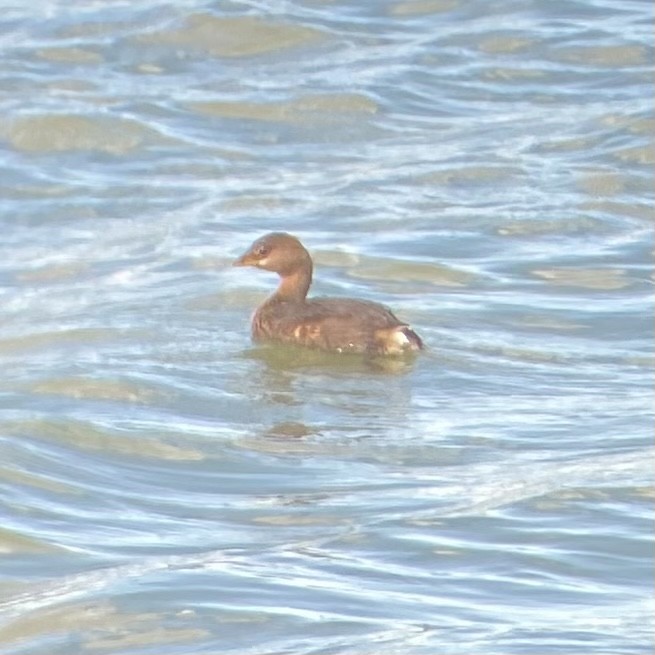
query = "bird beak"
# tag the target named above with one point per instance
(246, 259)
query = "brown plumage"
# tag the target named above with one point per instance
(331, 324)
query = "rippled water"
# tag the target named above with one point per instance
(485, 168)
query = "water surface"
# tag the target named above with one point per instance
(483, 168)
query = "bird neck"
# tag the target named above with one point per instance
(294, 286)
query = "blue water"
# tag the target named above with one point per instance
(483, 168)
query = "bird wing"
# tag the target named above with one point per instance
(338, 324)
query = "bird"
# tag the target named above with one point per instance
(337, 325)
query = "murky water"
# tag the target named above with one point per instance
(485, 169)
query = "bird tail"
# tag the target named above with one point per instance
(399, 340)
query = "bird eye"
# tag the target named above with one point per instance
(262, 251)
